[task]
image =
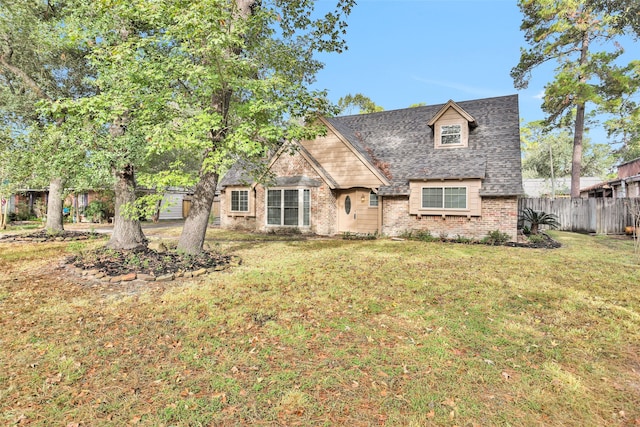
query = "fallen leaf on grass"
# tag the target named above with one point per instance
(220, 395)
(55, 380)
(449, 402)
(383, 374)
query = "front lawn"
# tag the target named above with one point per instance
(328, 332)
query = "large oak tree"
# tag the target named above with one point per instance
(220, 80)
(39, 65)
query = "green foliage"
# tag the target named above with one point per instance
(363, 103)
(496, 237)
(96, 210)
(347, 235)
(183, 90)
(536, 238)
(421, 235)
(625, 14)
(534, 219)
(39, 66)
(544, 147)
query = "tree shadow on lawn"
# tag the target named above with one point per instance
(166, 261)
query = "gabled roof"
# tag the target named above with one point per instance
(404, 140)
(461, 111)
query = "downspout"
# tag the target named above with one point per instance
(380, 209)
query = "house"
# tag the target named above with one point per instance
(452, 169)
(560, 187)
(627, 184)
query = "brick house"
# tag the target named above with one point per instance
(452, 169)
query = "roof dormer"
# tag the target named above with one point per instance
(451, 126)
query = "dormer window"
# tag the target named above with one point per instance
(451, 126)
(450, 134)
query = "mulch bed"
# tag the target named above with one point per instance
(146, 261)
(45, 236)
(546, 243)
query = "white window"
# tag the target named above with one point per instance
(450, 134)
(288, 207)
(373, 200)
(444, 198)
(239, 201)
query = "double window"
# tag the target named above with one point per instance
(288, 207)
(239, 201)
(444, 198)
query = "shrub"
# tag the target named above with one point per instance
(496, 237)
(96, 210)
(536, 238)
(359, 236)
(424, 236)
(538, 218)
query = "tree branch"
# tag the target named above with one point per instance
(23, 75)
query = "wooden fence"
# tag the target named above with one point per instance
(594, 215)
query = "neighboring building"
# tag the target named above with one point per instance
(542, 187)
(626, 185)
(27, 203)
(176, 203)
(452, 169)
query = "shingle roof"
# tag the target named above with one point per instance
(403, 140)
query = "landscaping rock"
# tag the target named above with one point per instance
(199, 272)
(128, 277)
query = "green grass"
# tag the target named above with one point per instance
(330, 332)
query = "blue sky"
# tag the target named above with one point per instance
(403, 52)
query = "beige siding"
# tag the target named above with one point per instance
(367, 216)
(452, 117)
(474, 201)
(342, 164)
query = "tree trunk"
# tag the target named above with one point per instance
(195, 226)
(127, 232)
(576, 159)
(54, 206)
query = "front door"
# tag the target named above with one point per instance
(356, 212)
(347, 211)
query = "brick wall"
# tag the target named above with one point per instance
(496, 214)
(235, 222)
(323, 200)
